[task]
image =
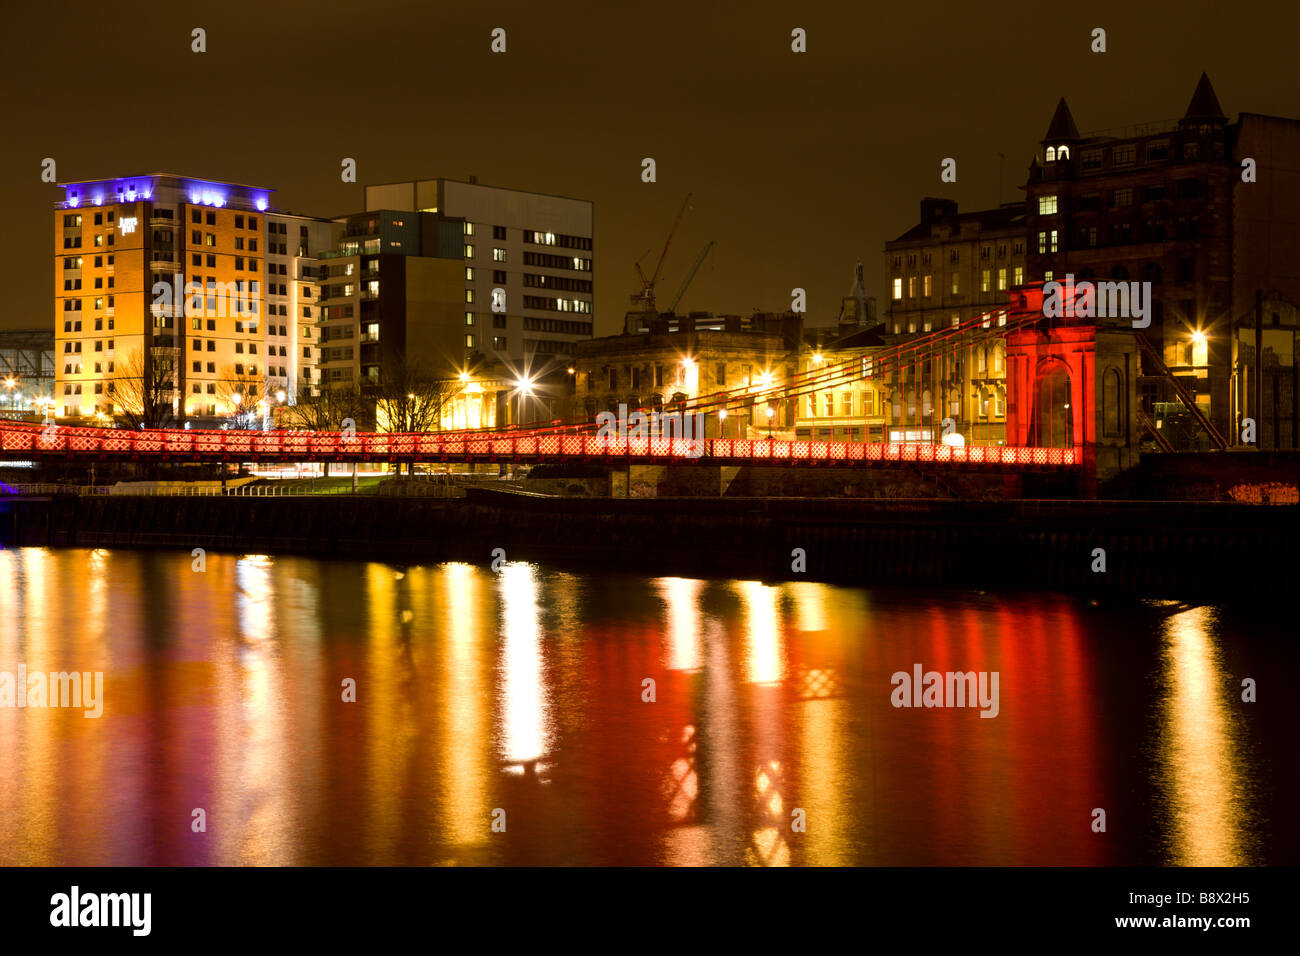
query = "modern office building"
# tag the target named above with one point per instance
(536, 248)
(1208, 212)
(158, 293)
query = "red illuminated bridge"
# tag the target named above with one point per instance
(26, 442)
(1049, 418)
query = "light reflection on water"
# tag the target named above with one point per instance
(770, 739)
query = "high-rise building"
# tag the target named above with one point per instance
(129, 337)
(536, 248)
(1208, 212)
(393, 297)
(293, 244)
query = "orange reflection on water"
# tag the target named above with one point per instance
(1199, 740)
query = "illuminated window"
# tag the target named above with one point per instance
(469, 273)
(1051, 154)
(1018, 275)
(911, 287)
(469, 318)
(469, 229)
(1042, 242)
(469, 341)
(1053, 240)
(469, 295)
(1046, 205)
(469, 251)
(984, 280)
(898, 289)
(1002, 279)
(828, 404)
(925, 286)
(846, 403)
(956, 283)
(1062, 152)
(498, 255)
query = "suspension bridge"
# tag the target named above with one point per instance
(1046, 441)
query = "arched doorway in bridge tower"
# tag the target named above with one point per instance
(1051, 419)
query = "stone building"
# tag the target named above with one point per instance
(1208, 212)
(838, 401)
(683, 360)
(948, 269)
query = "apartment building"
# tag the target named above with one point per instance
(293, 244)
(393, 294)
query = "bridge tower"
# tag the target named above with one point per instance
(1075, 384)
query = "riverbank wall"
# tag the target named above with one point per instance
(1156, 549)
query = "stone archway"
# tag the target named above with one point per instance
(1051, 421)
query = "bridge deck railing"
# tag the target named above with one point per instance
(194, 445)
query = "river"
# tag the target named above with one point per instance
(294, 711)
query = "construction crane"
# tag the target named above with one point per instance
(645, 299)
(699, 261)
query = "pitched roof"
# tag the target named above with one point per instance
(1062, 128)
(1204, 106)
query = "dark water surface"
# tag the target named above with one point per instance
(522, 691)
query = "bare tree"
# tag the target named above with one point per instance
(410, 398)
(242, 394)
(328, 409)
(143, 387)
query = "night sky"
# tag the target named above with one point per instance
(799, 164)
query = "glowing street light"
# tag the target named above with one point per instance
(524, 386)
(771, 413)
(280, 396)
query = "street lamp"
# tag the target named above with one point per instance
(722, 422)
(525, 388)
(771, 413)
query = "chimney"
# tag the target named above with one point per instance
(933, 210)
